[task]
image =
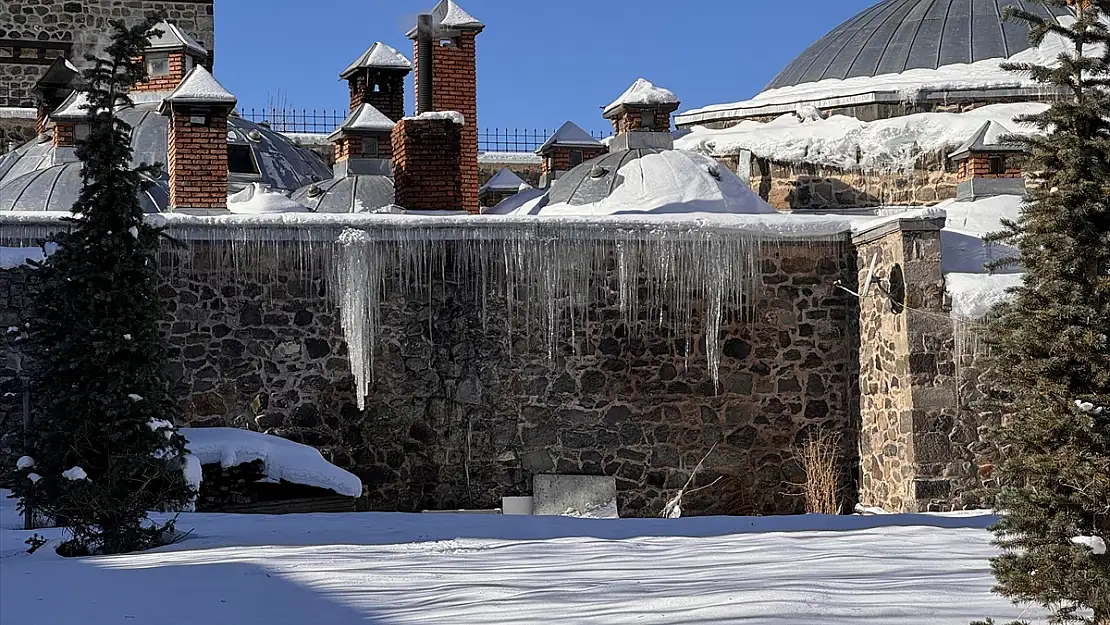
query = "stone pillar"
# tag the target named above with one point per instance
(427, 164)
(455, 88)
(908, 389)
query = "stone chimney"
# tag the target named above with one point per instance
(428, 162)
(641, 117)
(453, 82)
(198, 111)
(57, 84)
(377, 78)
(364, 143)
(170, 57)
(988, 164)
(569, 147)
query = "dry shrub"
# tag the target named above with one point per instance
(820, 458)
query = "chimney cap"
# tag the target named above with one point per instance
(60, 75)
(173, 38)
(365, 118)
(570, 135)
(642, 95)
(449, 16)
(73, 108)
(378, 56)
(989, 138)
(199, 87)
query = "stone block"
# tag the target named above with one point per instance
(560, 494)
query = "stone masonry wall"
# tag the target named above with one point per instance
(800, 187)
(463, 412)
(44, 29)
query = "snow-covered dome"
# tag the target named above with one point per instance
(648, 181)
(347, 194)
(898, 35)
(256, 154)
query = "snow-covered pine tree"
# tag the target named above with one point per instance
(104, 452)
(1051, 346)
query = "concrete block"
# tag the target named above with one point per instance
(581, 494)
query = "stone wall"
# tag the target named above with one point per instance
(34, 32)
(463, 412)
(15, 131)
(800, 187)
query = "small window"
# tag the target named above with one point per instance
(81, 132)
(370, 147)
(188, 63)
(998, 165)
(550, 160)
(647, 120)
(158, 65)
(448, 43)
(240, 160)
(575, 158)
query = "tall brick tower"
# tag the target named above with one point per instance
(377, 78)
(454, 82)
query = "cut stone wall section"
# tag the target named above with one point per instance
(799, 187)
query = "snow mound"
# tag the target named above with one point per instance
(452, 116)
(643, 92)
(24, 463)
(75, 474)
(282, 459)
(848, 143)
(256, 199)
(973, 295)
(672, 181)
(1095, 544)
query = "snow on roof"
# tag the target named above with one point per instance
(516, 158)
(504, 180)
(671, 181)
(281, 459)
(990, 136)
(453, 116)
(519, 203)
(201, 87)
(173, 38)
(905, 86)
(570, 134)
(882, 145)
(643, 93)
(449, 14)
(17, 112)
(973, 295)
(255, 199)
(365, 118)
(73, 107)
(379, 56)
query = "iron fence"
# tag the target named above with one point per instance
(323, 121)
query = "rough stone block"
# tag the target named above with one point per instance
(558, 494)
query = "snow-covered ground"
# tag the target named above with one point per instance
(392, 569)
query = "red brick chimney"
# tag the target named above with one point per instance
(642, 108)
(427, 162)
(569, 147)
(366, 135)
(453, 82)
(198, 111)
(377, 78)
(171, 56)
(69, 122)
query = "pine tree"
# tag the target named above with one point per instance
(104, 450)
(1051, 347)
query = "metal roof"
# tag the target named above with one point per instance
(898, 35)
(56, 188)
(570, 134)
(504, 180)
(365, 118)
(378, 56)
(173, 38)
(991, 137)
(595, 179)
(349, 194)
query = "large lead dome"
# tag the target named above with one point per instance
(898, 35)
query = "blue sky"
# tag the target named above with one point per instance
(539, 62)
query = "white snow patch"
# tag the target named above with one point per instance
(256, 199)
(453, 16)
(160, 424)
(366, 117)
(134, 231)
(282, 459)
(75, 474)
(135, 397)
(848, 143)
(509, 158)
(973, 295)
(1089, 407)
(24, 463)
(643, 92)
(34, 477)
(1095, 544)
(607, 510)
(452, 116)
(17, 112)
(12, 257)
(520, 203)
(201, 86)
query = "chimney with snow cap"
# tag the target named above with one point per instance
(363, 144)
(377, 78)
(69, 124)
(988, 165)
(641, 117)
(453, 64)
(198, 111)
(170, 57)
(569, 147)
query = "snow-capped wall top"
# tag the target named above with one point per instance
(365, 118)
(256, 199)
(173, 38)
(200, 87)
(452, 116)
(379, 56)
(570, 134)
(642, 93)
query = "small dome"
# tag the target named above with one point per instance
(899, 35)
(56, 188)
(349, 194)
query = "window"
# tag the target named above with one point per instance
(158, 65)
(550, 161)
(575, 158)
(448, 43)
(240, 160)
(997, 165)
(647, 120)
(370, 147)
(81, 132)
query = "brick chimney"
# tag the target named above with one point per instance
(377, 78)
(69, 122)
(988, 164)
(170, 57)
(364, 143)
(641, 117)
(57, 84)
(451, 85)
(569, 147)
(428, 162)
(198, 111)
